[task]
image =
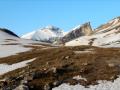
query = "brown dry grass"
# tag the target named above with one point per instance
(92, 66)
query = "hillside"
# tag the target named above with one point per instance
(49, 59)
(74, 65)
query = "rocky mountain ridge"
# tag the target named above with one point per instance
(82, 30)
(83, 34)
(107, 34)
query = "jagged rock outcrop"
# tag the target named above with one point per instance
(83, 30)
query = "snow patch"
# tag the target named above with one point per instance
(4, 68)
(8, 50)
(103, 85)
(80, 52)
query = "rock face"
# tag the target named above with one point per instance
(83, 30)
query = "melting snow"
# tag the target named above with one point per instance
(103, 85)
(79, 52)
(8, 50)
(4, 68)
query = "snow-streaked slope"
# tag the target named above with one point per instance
(112, 24)
(4, 68)
(11, 45)
(106, 35)
(48, 33)
(103, 85)
(105, 39)
(7, 50)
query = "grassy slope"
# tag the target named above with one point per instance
(97, 64)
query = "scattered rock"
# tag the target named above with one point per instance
(111, 65)
(79, 78)
(28, 78)
(84, 64)
(57, 83)
(47, 87)
(67, 57)
(22, 87)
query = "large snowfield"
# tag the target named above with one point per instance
(103, 85)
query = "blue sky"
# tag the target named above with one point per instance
(22, 16)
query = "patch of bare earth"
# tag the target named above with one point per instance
(54, 66)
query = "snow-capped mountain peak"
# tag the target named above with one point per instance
(52, 29)
(47, 34)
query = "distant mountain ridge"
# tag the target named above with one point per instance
(107, 34)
